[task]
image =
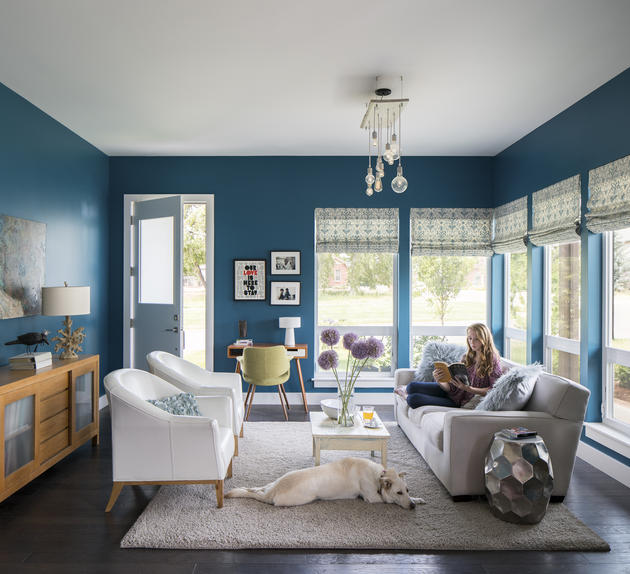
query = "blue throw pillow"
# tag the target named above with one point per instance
(182, 404)
(437, 351)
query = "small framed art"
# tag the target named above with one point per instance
(285, 293)
(285, 263)
(249, 279)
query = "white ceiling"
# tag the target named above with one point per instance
(290, 77)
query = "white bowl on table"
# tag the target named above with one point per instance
(330, 407)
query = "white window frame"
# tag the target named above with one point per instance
(446, 330)
(610, 355)
(553, 342)
(509, 332)
(366, 380)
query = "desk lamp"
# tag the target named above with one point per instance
(59, 301)
(290, 323)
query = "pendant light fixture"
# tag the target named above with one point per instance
(381, 116)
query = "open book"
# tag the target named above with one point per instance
(451, 371)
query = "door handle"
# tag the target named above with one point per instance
(173, 330)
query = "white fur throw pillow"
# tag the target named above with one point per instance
(513, 389)
(437, 351)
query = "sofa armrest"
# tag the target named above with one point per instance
(402, 377)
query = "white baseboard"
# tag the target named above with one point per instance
(607, 464)
(314, 398)
(102, 402)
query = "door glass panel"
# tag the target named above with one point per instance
(19, 434)
(83, 401)
(156, 260)
(195, 283)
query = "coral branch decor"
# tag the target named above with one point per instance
(68, 340)
(360, 351)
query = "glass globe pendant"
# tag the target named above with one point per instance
(399, 183)
(378, 185)
(369, 178)
(388, 155)
(369, 191)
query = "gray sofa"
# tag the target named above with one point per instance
(454, 442)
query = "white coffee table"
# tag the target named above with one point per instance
(328, 435)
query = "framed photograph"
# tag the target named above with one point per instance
(249, 280)
(285, 263)
(285, 293)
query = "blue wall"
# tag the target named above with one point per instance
(592, 132)
(268, 203)
(49, 174)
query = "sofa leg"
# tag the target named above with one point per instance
(463, 498)
(556, 499)
(219, 490)
(116, 488)
(235, 445)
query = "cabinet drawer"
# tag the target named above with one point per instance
(53, 386)
(53, 405)
(53, 445)
(53, 425)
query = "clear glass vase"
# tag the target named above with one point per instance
(347, 407)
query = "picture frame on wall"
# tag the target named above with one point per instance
(285, 293)
(285, 263)
(250, 279)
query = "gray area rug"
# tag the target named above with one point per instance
(187, 517)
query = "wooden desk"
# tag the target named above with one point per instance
(297, 352)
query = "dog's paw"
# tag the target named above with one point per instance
(418, 500)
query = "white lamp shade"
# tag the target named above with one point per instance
(290, 322)
(65, 301)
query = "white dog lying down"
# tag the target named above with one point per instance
(346, 478)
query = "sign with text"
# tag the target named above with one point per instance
(249, 279)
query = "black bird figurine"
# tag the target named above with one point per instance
(30, 339)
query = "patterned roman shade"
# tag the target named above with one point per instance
(510, 227)
(609, 203)
(556, 213)
(451, 231)
(348, 230)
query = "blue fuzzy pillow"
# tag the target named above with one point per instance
(437, 351)
(181, 404)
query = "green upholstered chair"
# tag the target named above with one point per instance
(265, 367)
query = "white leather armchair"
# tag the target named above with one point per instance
(197, 381)
(151, 446)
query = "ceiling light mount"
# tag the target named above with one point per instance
(380, 121)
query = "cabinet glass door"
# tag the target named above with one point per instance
(83, 400)
(19, 434)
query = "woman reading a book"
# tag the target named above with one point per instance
(483, 368)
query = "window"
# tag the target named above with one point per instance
(516, 307)
(448, 294)
(363, 303)
(562, 309)
(616, 353)
(357, 283)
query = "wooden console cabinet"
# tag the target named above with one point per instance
(44, 416)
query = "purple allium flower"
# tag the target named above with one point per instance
(328, 360)
(330, 337)
(360, 350)
(375, 347)
(349, 339)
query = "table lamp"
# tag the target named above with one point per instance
(290, 323)
(59, 301)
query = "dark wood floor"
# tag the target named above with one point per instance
(57, 524)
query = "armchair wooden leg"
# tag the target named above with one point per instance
(249, 390)
(116, 488)
(235, 445)
(241, 435)
(284, 409)
(284, 394)
(251, 400)
(219, 489)
(229, 471)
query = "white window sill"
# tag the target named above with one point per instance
(609, 437)
(382, 382)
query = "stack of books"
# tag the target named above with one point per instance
(244, 342)
(518, 432)
(31, 361)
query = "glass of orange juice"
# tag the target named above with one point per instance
(368, 414)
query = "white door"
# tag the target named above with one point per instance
(157, 278)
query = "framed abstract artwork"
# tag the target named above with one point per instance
(22, 266)
(249, 279)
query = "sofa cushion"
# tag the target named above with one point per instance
(433, 426)
(513, 389)
(180, 404)
(437, 351)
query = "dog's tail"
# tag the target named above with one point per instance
(259, 493)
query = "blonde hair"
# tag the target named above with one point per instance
(488, 351)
